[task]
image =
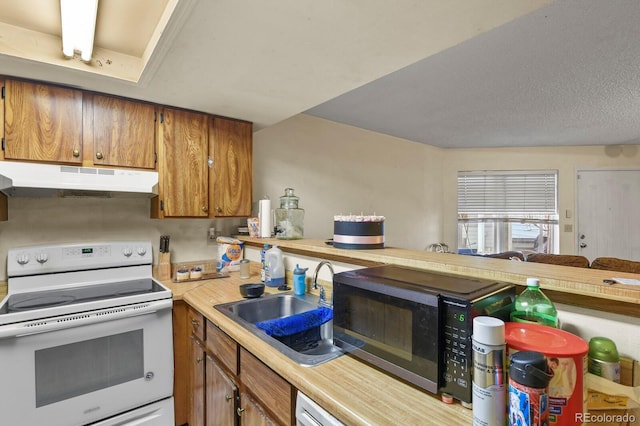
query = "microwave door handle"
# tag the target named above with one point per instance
(81, 319)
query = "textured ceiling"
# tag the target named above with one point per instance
(262, 61)
(453, 74)
(567, 74)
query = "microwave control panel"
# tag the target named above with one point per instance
(457, 319)
(457, 353)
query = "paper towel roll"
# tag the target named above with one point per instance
(264, 214)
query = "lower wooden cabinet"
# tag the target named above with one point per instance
(197, 383)
(223, 348)
(221, 396)
(251, 413)
(225, 384)
(274, 392)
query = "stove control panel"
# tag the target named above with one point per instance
(34, 260)
(87, 251)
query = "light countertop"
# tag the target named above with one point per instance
(349, 389)
(359, 394)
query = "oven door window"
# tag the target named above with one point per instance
(74, 369)
(403, 332)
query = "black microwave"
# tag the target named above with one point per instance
(415, 324)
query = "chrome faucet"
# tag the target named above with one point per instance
(323, 297)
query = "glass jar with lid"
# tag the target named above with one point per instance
(289, 217)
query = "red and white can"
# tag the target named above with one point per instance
(566, 356)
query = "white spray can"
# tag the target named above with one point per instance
(489, 390)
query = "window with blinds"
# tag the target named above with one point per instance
(507, 210)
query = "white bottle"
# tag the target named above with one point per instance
(274, 273)
(489, 390)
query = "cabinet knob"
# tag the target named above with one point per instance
(218, 209)
(99, 155)
(76, 153)
(205, 209)
(199, 360)
(195, 323)
(240, 411)
(228, 398)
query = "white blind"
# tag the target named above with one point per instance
(508, 193)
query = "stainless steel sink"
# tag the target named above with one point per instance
(318, 343)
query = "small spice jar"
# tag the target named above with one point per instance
(182, 273)
(195, 273)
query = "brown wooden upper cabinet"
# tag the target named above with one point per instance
(204, 163)
(183, 184)
(231, 180)
(61, 125)
(123, 132)
(42, 122)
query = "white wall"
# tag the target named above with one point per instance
(339, 169)
(335, 168)
(567, 160)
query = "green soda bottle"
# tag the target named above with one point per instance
(533, 306)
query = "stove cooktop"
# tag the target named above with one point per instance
(43, 299)
(46, 281)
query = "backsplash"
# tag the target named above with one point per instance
(46, 220)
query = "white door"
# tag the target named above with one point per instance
(608, 214)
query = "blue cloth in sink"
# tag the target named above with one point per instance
(297, 323)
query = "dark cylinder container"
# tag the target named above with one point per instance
(358, 235)
(528, 389)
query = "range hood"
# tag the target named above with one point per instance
(46, 180)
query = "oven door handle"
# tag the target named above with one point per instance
(46, 325)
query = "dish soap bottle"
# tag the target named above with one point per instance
(289, 218)
(533, 306)
(274, 264)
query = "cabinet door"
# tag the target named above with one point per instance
(233, 168)
(123, 132)
(251, 413)
(268, 387)
(184, 172)
(42, 123)
(196, 323)
(221, 395)
(223, 347)
(196, 379)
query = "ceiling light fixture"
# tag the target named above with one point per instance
(78, 27)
